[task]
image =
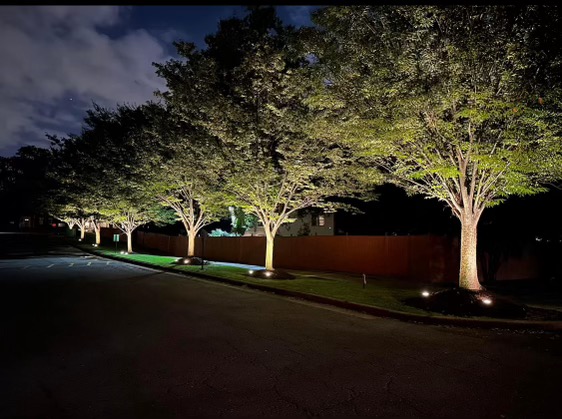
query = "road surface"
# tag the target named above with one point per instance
(85, 337)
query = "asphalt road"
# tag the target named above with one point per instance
(84, 337)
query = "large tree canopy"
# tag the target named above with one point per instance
(102, 172)
(186, 173)
(251, 101)
(457, 103)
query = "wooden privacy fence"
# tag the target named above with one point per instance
(417, 258)
(423, 258)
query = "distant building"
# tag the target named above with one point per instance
(307, 223)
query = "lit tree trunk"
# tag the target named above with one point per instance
(98, 234)
(191, 242)
(192, 216)
(468, 275)
(81, 222)
(97, 230)
(130, 242)
(269, 241)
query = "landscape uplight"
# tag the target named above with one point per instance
(268, 274)
(487, 301)
(251, 272)
(425, 293)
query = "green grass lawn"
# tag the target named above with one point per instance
(384, 293)
(378, 293)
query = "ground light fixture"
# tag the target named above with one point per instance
(250, 272)
(487, 301)
(425, 293)
(268, 274)
(186, 261)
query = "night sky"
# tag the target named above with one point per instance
(57, 60)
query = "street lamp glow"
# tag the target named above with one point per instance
(425, 293)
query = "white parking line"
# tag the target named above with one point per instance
(27, 266)
(51, 265)
(71, 265)
(89, 263)
(107, 263)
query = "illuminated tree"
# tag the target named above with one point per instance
(460, 104)
(185, 175)
(101, 170)
(246, 92)
(131, 209)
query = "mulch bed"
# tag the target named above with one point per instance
(465, 303)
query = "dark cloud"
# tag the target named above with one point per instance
(56, 60)
(297, 15)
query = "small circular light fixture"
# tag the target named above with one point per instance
(268, 274)
(425, 293)
(122, 252)
(186, 261)
(487, 301)
(251, 272)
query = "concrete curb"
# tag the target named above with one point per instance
(553, 326)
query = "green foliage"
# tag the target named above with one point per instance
(240, 221)
(221, 233)
(184, 172)
(101, 173)
(446, 101)
(246, 92)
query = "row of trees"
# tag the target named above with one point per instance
(460, 104)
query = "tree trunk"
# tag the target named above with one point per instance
(468, 276)
(98, 235)
(82, 233)
(269, 240)
(191, 243)
(130, 242)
